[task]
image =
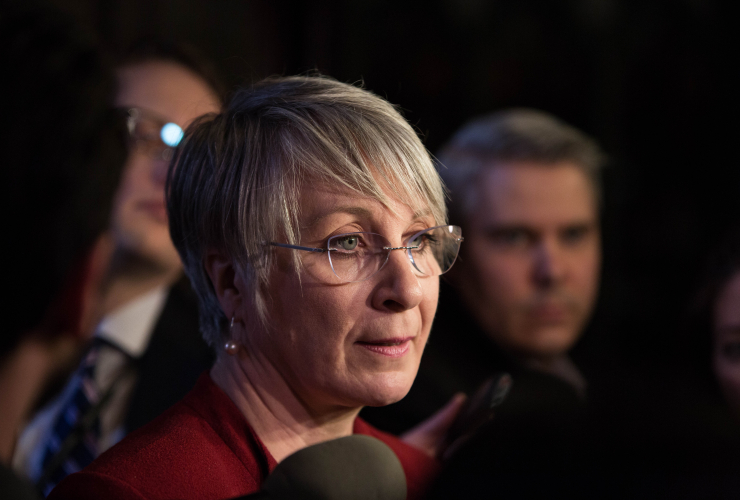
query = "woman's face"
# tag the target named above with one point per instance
(348, 344)
(726, 352)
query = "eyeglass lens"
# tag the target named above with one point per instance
(357, 256)
(151, 136)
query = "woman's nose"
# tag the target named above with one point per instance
(398, 288)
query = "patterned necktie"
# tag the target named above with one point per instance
(73, 443)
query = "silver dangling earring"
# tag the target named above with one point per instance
(231, 347)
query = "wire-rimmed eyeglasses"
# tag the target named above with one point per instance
(358, 256)
(152, 134)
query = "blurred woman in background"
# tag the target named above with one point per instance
(719, 319)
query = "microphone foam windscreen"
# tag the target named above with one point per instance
(354, 467)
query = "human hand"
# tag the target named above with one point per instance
(429, 436)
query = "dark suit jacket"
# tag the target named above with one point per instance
(203, 448)
(174, 359)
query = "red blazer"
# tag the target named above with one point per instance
(203, 448)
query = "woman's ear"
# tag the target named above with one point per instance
(226, 281)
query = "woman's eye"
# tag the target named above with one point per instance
(417, 241)
(348, 242)
(422, 242)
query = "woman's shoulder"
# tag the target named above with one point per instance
(420, 468)
(91, 485)
(183, 453)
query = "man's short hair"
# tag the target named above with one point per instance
(515, 135)
(237, 179)
(63, 148)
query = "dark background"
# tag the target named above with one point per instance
(650, 79)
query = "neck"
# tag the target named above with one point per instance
(131, 276)
(283, 422)
(22, 376)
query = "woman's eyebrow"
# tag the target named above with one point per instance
(357, 211)
(351, 210)
(424, 212)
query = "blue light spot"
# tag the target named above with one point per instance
(171, 134)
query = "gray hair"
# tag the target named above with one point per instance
(236, 181)
(512, 136)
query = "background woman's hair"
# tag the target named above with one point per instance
(236, 181)
(157, 50)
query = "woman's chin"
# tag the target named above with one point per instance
(387, 389)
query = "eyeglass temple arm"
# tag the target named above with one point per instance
(296, 247)
(400, 248)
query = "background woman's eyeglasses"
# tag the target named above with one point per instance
(358, 256)
(151, 134)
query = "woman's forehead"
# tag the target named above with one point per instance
(322, 201)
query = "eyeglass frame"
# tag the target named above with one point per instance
(388, 250)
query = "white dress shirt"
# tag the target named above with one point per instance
(129, 328)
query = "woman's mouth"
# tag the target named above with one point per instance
(393, 348)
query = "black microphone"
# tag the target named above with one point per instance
(354, 467)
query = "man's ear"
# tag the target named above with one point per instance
(227, 283)
(79, 305)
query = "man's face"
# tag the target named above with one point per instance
(171, 93)
(532, 256)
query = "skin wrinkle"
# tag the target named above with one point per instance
(266, 400)
(419, 213)
(360, 212)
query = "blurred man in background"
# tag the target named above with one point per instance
(63, 150)
(526, 188)
(148, 350)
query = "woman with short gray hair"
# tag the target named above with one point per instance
(312, 224)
